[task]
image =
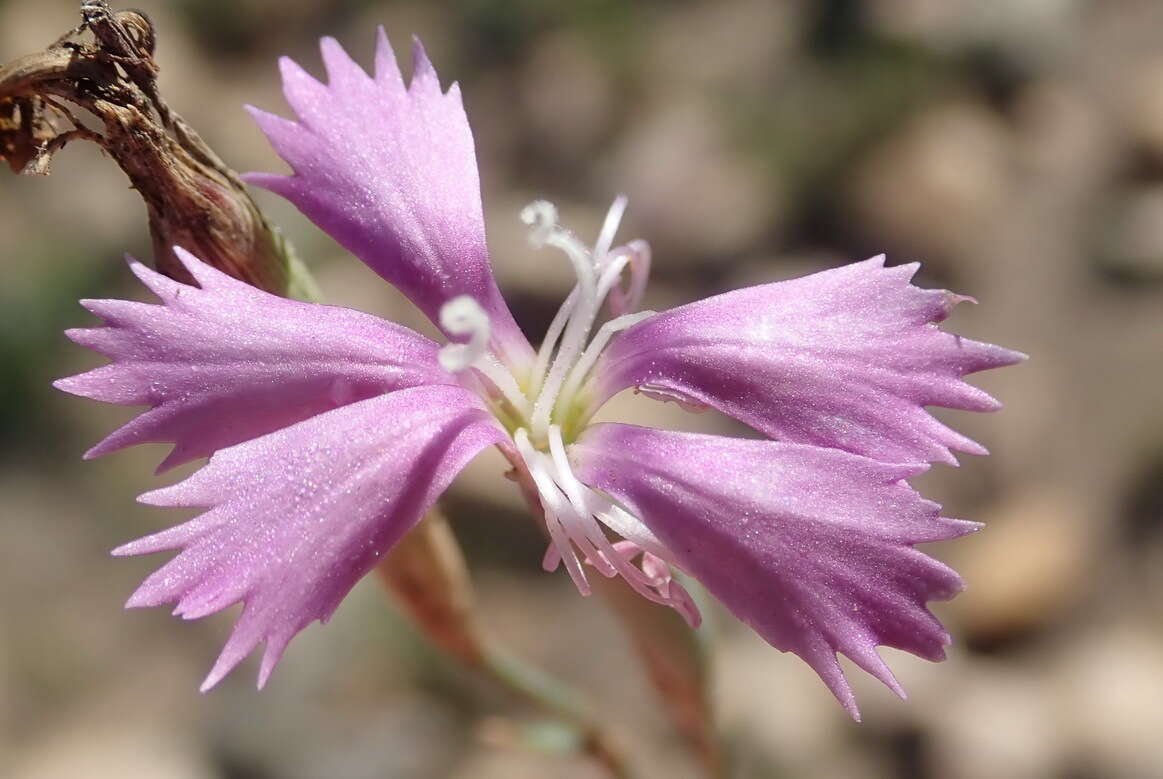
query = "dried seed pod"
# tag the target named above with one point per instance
(105, 68)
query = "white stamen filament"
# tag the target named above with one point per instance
(610, 226)
(554, 476)
(569, 483)
(607, 284)
(579, 526)
(590, 356)
(611, 274)
(625, 302)
(492, 369)
(552, 506)
(624, 523)
(541, 364)
(571, 347)
(574, 522)
(575, 319)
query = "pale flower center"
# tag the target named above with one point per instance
(553, 391)
(552, 399)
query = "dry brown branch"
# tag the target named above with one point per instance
(105, 69)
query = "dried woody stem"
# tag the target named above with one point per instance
(104, 71)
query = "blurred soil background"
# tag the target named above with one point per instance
(1015, 147)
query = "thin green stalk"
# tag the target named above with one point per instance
(557, 698)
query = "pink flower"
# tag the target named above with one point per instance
(330, 432)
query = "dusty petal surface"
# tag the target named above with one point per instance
(846, 358)
(225, 363)
(297, 517)
(811, 547)
(390, 172)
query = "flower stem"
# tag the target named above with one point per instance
(543, 690)
(427, 574)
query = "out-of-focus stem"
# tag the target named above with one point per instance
(427, 574)
(550, 694)
(669, 650)
(557, 697)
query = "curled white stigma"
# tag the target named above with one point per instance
(541, 215)
(464, 316)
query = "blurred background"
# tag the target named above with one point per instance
(1016, 148)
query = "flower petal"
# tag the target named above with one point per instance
(226, 362)
(811, 547)
(846, 358)
(297, 517)
(390, 172)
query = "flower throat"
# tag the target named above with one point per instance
(550, 399)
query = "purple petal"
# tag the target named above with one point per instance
(297, 517)
(391, 174)
(227, 362)
(811, 547)
(847, 358)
